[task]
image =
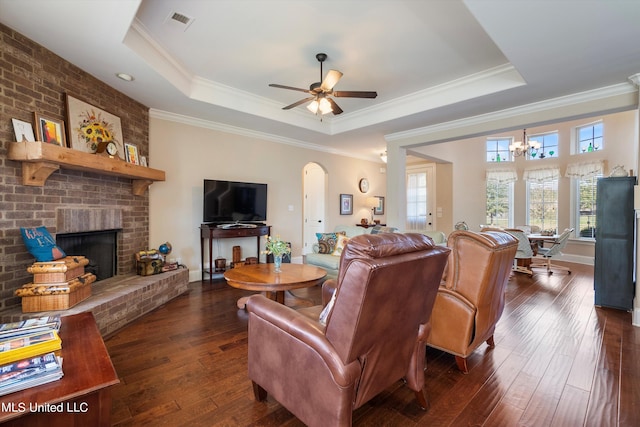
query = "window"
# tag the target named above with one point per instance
(548, 145)
(499, 204)
(585, 179)
(416, 200)
(589, 137)
(499, 195)
(586, 212)
(498, 150)
(542, 197)
(543, 204)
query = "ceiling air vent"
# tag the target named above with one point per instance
(178, 20)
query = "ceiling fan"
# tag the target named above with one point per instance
(321, 93)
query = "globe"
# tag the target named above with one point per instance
(165, 248)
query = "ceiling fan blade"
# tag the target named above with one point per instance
(330, 81)
(290, 88)
(334, 107)
(302, 101)
(354, 94)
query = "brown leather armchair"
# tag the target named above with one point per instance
(470, 300)
(375, 333)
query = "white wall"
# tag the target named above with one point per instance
(189, 153)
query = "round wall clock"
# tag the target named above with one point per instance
(112, 148)
(364, 185)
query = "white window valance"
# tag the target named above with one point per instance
(502, 176)
(541, 175)
(584, 170)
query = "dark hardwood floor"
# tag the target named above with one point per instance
(558, 361)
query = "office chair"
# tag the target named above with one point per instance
(555, 250)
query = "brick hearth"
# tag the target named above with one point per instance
(119, 300)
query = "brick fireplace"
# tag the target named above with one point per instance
(36, 80)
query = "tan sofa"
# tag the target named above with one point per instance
(331, 262)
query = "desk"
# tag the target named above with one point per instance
(263, 278)
(83, 393)
(211, 231)
(534, 238)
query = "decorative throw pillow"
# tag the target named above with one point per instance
(342, 240)
(380, 229)
(41, 244)
(327, 242)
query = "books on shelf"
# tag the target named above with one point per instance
(30, 372)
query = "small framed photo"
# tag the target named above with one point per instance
(132, 153)
(143, 161)
(379, 210)
(346, 204)
(23, 131)
(50, 130)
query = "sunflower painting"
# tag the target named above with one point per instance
(92, 128)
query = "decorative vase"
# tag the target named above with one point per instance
(277, 261)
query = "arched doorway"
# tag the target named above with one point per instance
(314, 179)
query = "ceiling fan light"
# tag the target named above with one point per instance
(325, 106)
(313, 106)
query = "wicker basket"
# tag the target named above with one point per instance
(55, 296)
(55, 302)
(58, 271)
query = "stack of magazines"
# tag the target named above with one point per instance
(28, 353)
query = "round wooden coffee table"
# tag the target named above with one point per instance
(263, 278)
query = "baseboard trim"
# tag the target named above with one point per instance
(578, 259)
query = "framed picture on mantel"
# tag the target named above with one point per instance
(91, 128)
(132, 153)
(50, 130)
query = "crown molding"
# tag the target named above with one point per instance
(496, 79)
(523, 110)
(140, 41)
(486, 82)
(221, 127)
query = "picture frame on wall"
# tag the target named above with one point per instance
(346, 204)
(50, 130)
(23, 131)
(132, 153)
(379, 210)
(92, 128)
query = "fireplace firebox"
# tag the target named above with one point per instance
(99, 247)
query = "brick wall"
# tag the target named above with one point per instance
(33, 79)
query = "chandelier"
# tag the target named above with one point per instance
(520, 148)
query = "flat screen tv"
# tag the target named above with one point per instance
(229, 201)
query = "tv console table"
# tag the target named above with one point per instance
(211, 231)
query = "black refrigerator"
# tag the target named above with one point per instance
(614, 278)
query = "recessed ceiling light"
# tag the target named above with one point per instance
(124, 76)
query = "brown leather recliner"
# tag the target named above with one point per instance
(471, 298)
(375, 333)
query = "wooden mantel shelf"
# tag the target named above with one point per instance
(40, 160)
